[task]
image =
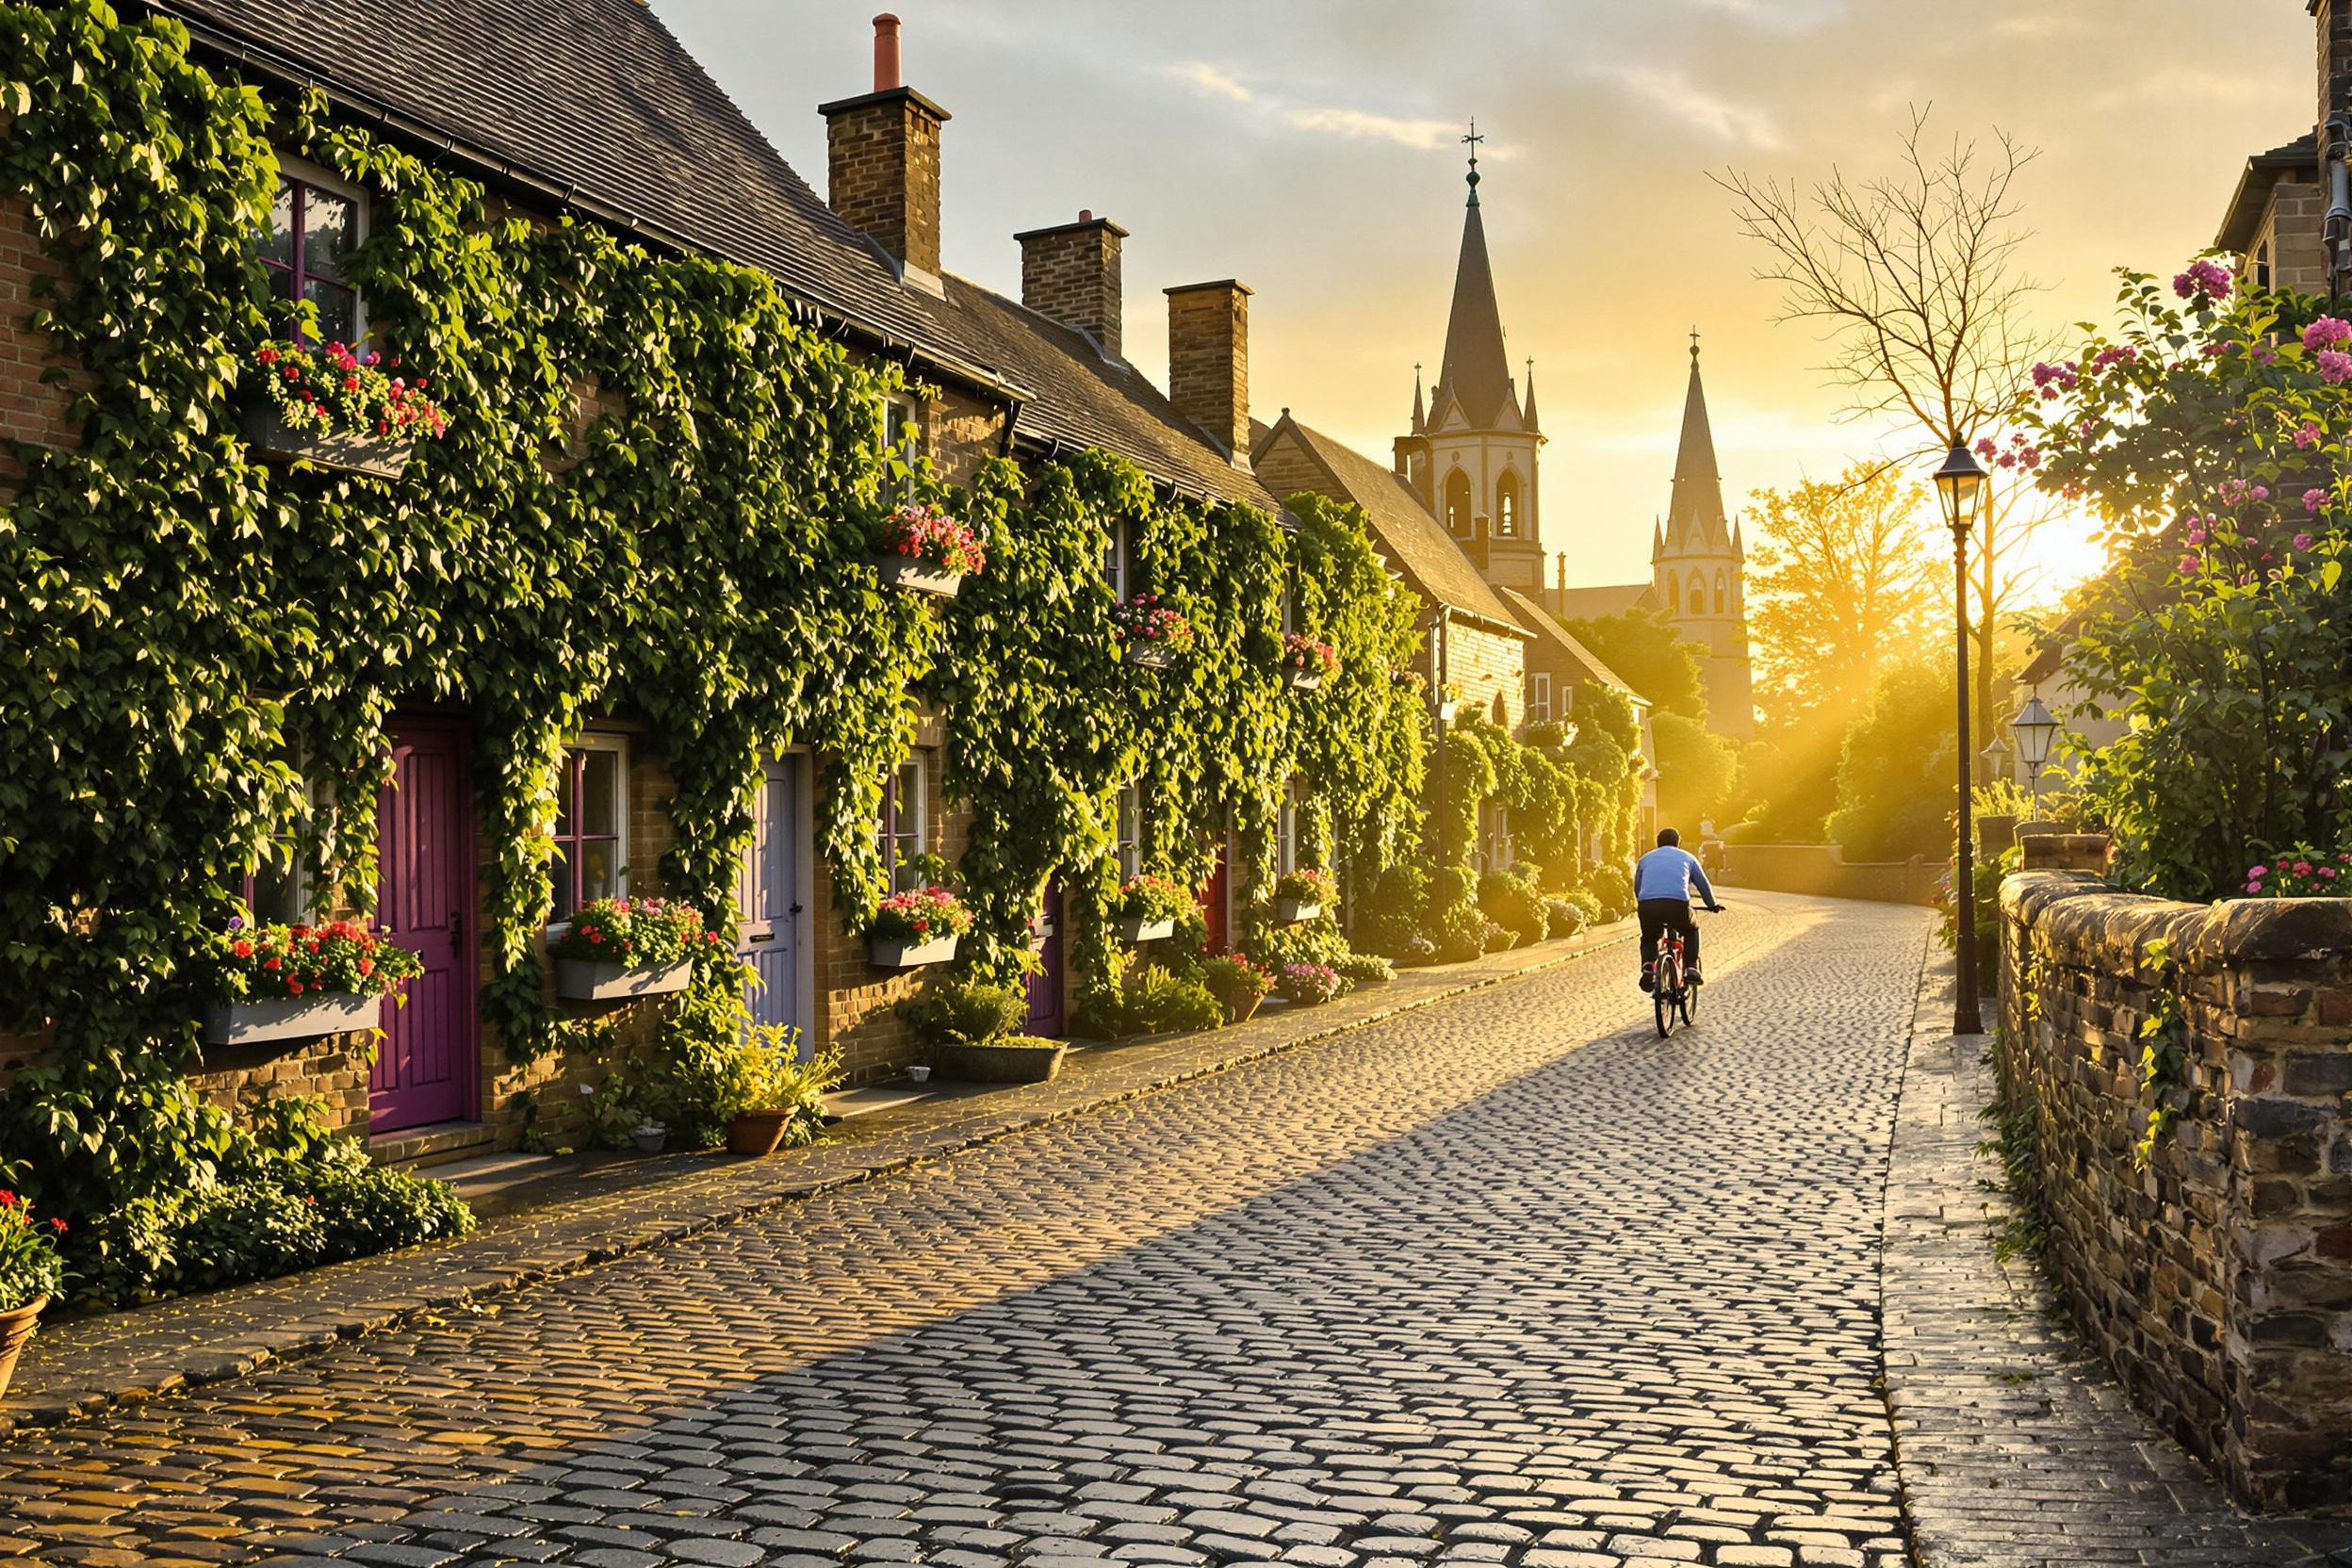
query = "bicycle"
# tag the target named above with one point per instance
(1671, 994)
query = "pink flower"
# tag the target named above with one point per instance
(2302, 868)
(2188, 565)
(2302, 540)
(2208, 278)
(2196, 533)
(2261, 492)
(2258, 872)
(2335, 367)
(2308, 435)
(2325, 332)
(2313, 499)
(2253, 887)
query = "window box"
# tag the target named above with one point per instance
(1018, 1059)
(1305, 680)
(909, 951)
(1041, 931)
(290, 1018)
(1290, 911)
(917, 576)
(585, 980)
(1139, 928)
(273, 440)
(1150, 656)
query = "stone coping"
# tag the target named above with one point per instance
(2084, 916)
(87, 1365)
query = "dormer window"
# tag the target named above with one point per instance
(306, 246)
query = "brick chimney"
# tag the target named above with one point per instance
(1208, 362)
(1070, 272)
(883, 161)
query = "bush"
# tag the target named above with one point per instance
(29, 1266)
(1561, 917)
(1585, 905)
(1389, 920)
(1365, 969)
(363, 1209)
(240, 1230)
(1612, 890)
(1460, 934)
(1419, 952)
(1315, 942)
(964, 1012)
(1511, 900)
(1500, 939)
(1147, 1000)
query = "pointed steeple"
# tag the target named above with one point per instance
(1477, 372)
(1658, 544)
(1527, 415)
(1420, 420)
(1695, 519)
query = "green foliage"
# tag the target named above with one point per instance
(965, 1012)
(242, 1231)
(1612, 889)
(1365, 969)
(1235, 981)
(1511, 900)
(711, 1063)
(1895, 779)
(366, 1209)
(30, 1267)
(1698, 771)
(1644, 648)
(2163, 1050)
(1392, 914)
(1563, 917)
(1147, 1000)
(2216, 443)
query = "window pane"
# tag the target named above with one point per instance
(277, 235)
(600, 792)
(562, 871)
(278, 891)
(338, 310)
(566, 793)
(328, 229)
(599, 870)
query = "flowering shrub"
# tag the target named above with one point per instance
(1308, 885)
(2301, 871)
(29, 1266)
(1365, 969)
(919, 914)
(1148, 897)
(2212, 436)
(1234, 980)
(1308, 985)
(634, 933)
(1145, 619)
(1303, 655)
(338, 390)
(927, 533)
(270, 962)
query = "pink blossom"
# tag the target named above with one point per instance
(2307, 436)
(2254, 887)
(2302, 868)
(2121, 354)
(2208, 278)
(2258, 871)
(2326, 332)
(2261, 492)
(2313, 499)
(2302, 540)
(2335, 367)
(2188, 565)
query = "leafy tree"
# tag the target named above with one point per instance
(1654, 659)
(1790, 776)
(1841, 581)
(1894, 778)
(1697, 771)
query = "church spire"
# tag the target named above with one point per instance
(1477, 370)
(1695, 519)
(1527, 416)
(1420, 420)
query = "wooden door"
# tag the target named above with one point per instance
(1045, 982)
(427, 1066)
(768, 898)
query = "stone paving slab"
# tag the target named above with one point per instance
(83, 1365)
(2016, 1448)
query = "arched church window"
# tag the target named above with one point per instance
(1458, 504)
(1507, 507)
(1722, 593)
(1698, 594)
(1673, 596)
(1502, 712)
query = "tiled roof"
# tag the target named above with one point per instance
(597, 104)
(1547, 630)
(2262, 171)
(1417, 541)
(1592, 604)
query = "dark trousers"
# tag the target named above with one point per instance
(1661, 915)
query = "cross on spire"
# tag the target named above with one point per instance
(1472, 142)
(1694, 345)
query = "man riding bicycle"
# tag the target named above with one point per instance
(1661, 891)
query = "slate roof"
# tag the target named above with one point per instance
(1415, 540)
(1547, 630)
(1592, 604)
(1476, 368)
(1695, 520)
(2262, 171)
(598, 107)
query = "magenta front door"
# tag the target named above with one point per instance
(425, 900)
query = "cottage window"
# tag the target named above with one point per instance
(306, 246)
(901, 443)
(1115, 559)
(283, 887)
(1494, 850)
(1673, 596)
(1128, 834)
(591, 824)
(1540, 697)
(1287, 831)
(902, 828)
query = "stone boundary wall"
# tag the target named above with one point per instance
(2218, 1282)
(1821, 871)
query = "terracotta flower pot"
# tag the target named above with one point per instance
(16, 1331)
(1241, 1010)
(757, 1132)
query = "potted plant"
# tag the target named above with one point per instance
(338, 408)
(650, 1137)
(619, 948)
(30, 1273)
(1448, 703)
(916, 928)
(1308, 985)
(969, 1024)
(1238, 984)
(1303, 895)
(1151, 633)
(770, 1097)
(1148, 908)
(298, 982)
(921, 547)
(1307, 661)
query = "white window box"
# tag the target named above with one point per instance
(1134, 928)
(290, 1018)
(1290, 911)
(909, 951)
(1151, 654)
(1305, 680)
(585, 980)
(919, 576)
(273, 440)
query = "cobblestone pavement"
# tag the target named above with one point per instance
(2018, 1449)
(1505, 1281)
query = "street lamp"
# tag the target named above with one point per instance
(1996, 757)
(2034, 726)
(1960, 483)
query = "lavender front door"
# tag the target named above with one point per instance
(767, 899)
(1045, 982)
(426, 1065)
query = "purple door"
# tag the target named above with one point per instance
(425, 1068)
(767, 899)
(1045, 983)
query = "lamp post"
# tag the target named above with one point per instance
(2034, 726)
(1995, 754)
(1960, 484)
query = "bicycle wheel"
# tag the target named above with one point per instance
(1689, 1005)
(1667, 997)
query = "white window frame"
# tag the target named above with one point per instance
(1287, 831)
(1117, 567)
(905, 442)
(917, 769)
(617, 745)
(1127, 831)
(1495, 846)
(1538, 696)
(304, 172)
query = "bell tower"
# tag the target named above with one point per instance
(1698, 567)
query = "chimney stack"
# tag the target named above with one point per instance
(883, 162)
(1070, 272)
(1208, 362)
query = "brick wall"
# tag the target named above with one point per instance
(2218, 1281)
(882, 156)
(2291, 231)
(30, 409)
(1072, 273)
(1481, 666)
(1208, 360)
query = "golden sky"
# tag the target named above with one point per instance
(1310, 150)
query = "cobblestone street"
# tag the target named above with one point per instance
(1507, 1280)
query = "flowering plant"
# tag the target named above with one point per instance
(337, 388)
(1154, 898)
(1408, 680)
(1308, 985)
(29, 1266)
(1235, 978)
(1145, 619)
(634, 933)
(919, 914)
(1304, 655)
(2301, 871)
(249, 962)
(1308, 885)
(927, 533)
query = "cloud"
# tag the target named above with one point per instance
(2181, 84)
(2039, 26)
(1359, 125)
(1788, 14)
(1703, 111)
(1208, 81)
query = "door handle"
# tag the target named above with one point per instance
(794, 911)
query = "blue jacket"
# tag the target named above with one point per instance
(1669, 872)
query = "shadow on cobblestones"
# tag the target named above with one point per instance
(1503, 1281)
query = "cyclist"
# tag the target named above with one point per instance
(1661, 891)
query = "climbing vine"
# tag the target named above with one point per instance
(2164, 1036)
